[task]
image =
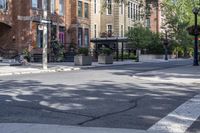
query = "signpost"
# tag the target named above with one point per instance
(44, 51)
(43, 26)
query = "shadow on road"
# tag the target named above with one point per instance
(101, 104)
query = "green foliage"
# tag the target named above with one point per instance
(143, 38)
(139, 36)
(126, 55)
(155, 45)
(26, 54)
(83, 51)
(177, 21)
(106, 51)
(57, 50)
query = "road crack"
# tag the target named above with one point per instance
(134, 102)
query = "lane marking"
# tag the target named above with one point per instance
(179, 120)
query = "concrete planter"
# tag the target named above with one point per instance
(149, 57)
(104, 59)
(81, 60)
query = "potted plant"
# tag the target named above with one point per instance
(105, 57)
(83, 58)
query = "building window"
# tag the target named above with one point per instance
(86, 37)
(80, 37)
(62, 35)
(35, 3)
(129, 9)
(3, 4)
(53, 6)
(122, 7)
(134, 12)
(45, 5)
(95, 30)
(86, 10)
(61, 7)
(53, 32)
(80, 5)
(109, 30)
(39, 38)
(148, 23)
(122, 30)
(109, 7)
(95, 6)
(139, 17)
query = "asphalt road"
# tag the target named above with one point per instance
(100, 97)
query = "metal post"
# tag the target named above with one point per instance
(166, 46)
(122, 52)
(117, 48)
(44, 52)
(196, 63)
(166, 53)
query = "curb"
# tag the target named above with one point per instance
(59, 70)
(40, 71)
(71, 68)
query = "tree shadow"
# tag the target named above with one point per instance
(95, 103)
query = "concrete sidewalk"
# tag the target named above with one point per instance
(5, 69)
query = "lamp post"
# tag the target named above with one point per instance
(196, 33)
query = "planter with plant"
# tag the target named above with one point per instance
(105, 56)
(83, 58)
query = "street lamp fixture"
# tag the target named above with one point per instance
(196, 34)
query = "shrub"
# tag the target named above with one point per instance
(58, 50)
(130, 56)
(106, 51)
(83, 51)
(27, 55)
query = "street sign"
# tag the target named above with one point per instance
(29, 18)
(25, 18)
(45, 21)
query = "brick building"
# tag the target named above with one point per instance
(156, 19)
(80, 23)
(21, 23)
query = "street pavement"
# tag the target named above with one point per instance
(131, 98)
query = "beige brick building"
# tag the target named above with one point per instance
(116, 17)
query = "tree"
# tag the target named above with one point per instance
(177, 20)
(139, 36)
